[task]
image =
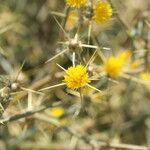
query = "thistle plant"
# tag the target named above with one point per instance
(85, 80)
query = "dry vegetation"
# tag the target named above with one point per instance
(75, 75)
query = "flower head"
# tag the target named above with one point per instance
(76, 77)
(57, 111)
(76, 3)
(71, 20)
(102, 12)
(124, 56)
(114, 65)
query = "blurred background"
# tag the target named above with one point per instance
(30, 34)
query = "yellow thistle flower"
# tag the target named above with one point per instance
(76, 3)
(145, 76)
(114, 65)
(57, 111)
(102, 12)
(124, 56)
(76, 77)
(72, 20)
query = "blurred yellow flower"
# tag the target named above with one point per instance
(102, 12)
(124, 56)
(76, 3)
(114, 65)
(57, 111)
(145, 76)
(71, 20)
(76, 77)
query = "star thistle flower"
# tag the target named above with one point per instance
(76, 3)
(71, 20)
(76, 77)
(102, 12)
(114, 65)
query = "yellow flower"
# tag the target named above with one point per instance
(145, 76)
(76, 3)
(124, 56)
(114, 65)
(57, 111)
(76, 77)
(102, 12)
(72, 20)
